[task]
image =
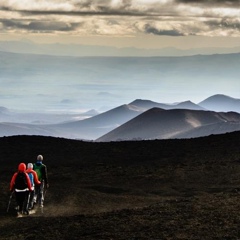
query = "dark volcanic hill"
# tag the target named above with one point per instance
(96, 126)
(178, 123)
(161, 189)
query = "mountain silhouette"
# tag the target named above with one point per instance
(26, 46)
(100, 124)
(221, 103)
(92, 126)
(147, 104)
(176, 123)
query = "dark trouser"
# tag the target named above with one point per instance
(21, 199)
(39, 194)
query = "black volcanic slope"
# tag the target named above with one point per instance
(161, 189)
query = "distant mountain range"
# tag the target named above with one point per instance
(140, 119)
(58, 49)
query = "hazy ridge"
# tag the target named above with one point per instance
(59, 49)
(140, 119)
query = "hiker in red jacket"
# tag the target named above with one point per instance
(34, 182)
(21, 185)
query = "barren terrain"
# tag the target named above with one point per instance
(162, 189)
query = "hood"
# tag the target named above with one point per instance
(22, 167)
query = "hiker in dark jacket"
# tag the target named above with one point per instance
(40, 190)
(21, 185)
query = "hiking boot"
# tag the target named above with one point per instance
(30, 207)
(19, 214)
(26, 212)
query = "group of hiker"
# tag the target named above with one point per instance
(29, 184)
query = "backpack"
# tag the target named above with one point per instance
(38, 170)
(21, 181)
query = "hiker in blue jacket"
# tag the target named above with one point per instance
(40, 190)
(34, 182)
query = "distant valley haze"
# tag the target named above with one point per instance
(47, 83)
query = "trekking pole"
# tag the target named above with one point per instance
(9, 201)
(44, 193)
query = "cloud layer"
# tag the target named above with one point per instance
(122, 17)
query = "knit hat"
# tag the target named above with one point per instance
(40, 158)
(30, 166)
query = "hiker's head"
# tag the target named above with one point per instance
(39, 158)
(30, 166)
(22, 167)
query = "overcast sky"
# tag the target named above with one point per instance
(139, 23)
(120, 23)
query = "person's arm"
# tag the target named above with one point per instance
(12, 183)
(45, 175)
(35, 177)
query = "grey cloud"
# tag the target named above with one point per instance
(125, 16)
(39, 25)
(124, 8)
(153, 30)
(211, 2)
(101, 11)
(88, 4)
(52, 26)
(224, 24)
(101, 4)
(90, 8)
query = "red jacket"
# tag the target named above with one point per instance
(35, 177)
(21, 168)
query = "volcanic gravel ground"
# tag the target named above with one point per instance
(165, 189)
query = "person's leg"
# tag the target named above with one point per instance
(41, 194)
(31, 197)
(17, 200)
(36, 195)
(20, 197)
(26, 202)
